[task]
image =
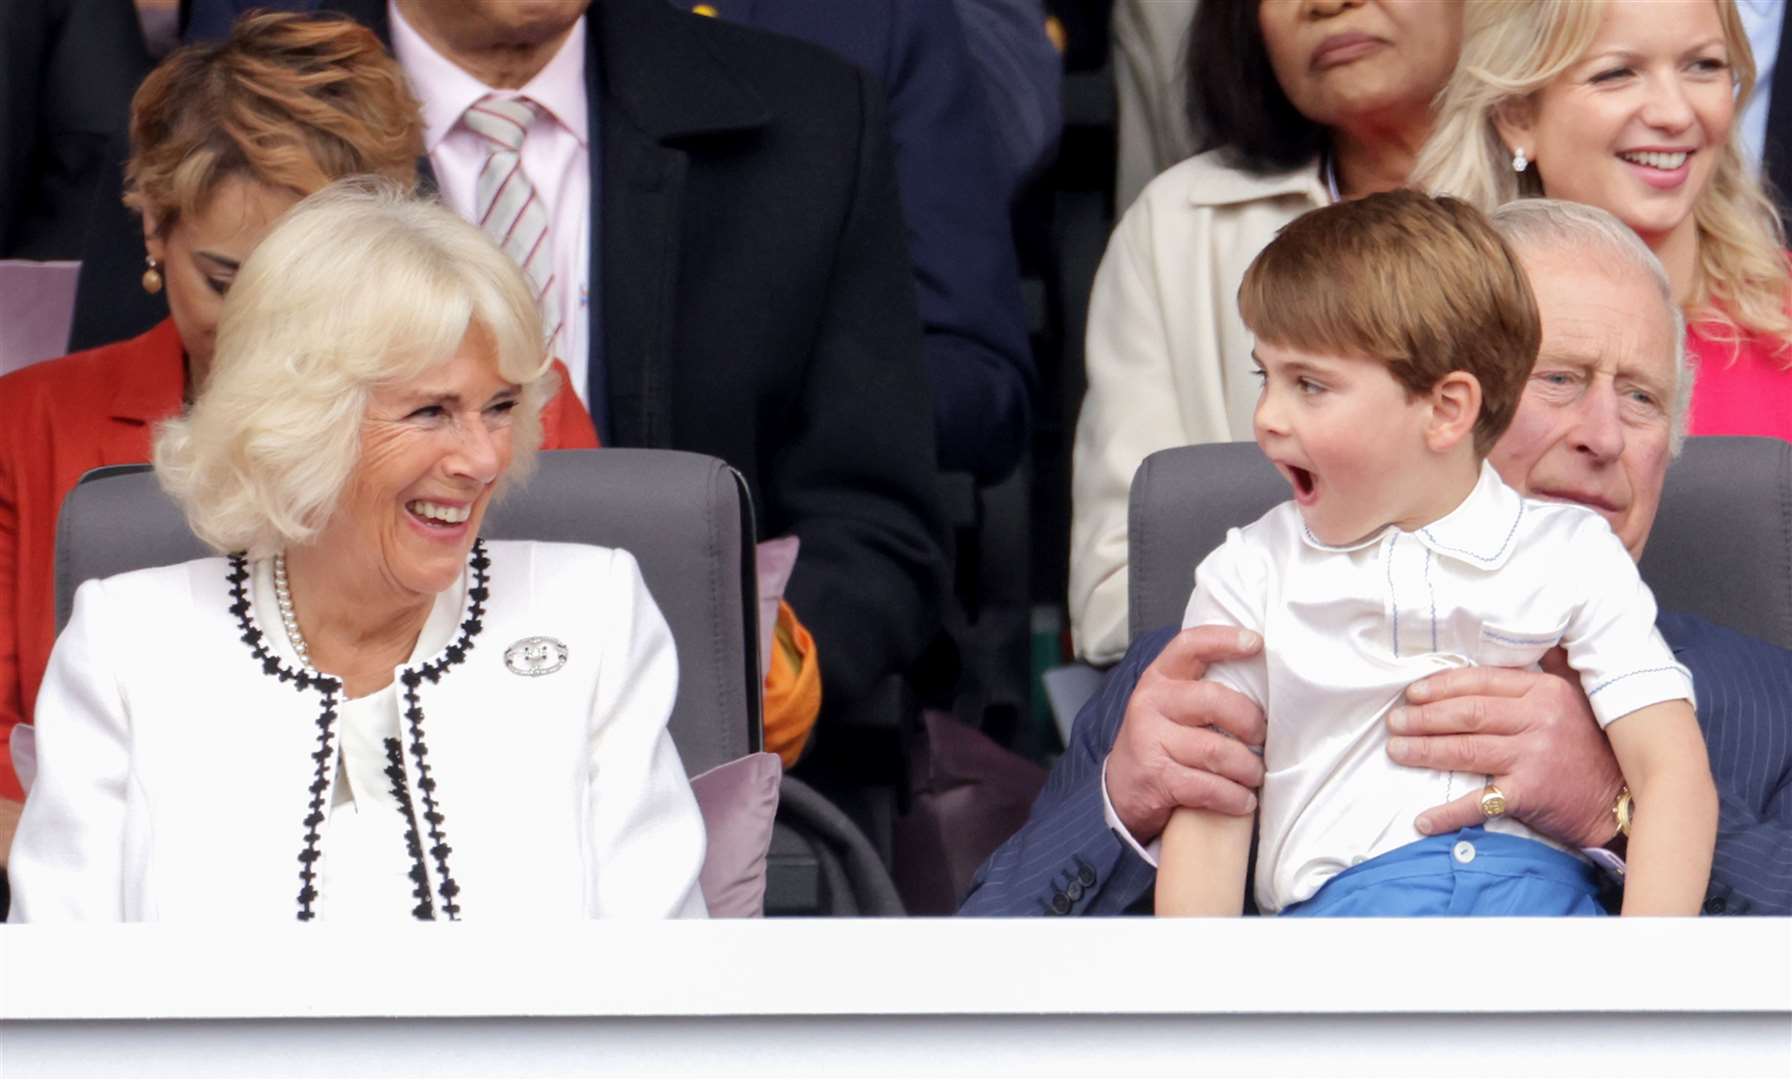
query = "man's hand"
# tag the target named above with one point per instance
(1165, 756)
(1532, 732)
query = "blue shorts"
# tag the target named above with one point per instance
(1472, 872)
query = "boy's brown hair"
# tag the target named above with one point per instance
(1424, 285)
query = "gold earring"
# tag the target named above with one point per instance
(152, 277)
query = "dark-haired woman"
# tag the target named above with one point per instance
(1169, 361)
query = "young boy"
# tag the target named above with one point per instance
(1395, 335)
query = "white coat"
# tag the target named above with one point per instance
(1168, 358)
(183, 766)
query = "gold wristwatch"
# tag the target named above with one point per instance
(1622, 809)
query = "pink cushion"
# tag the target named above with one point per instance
(738, 800)
(37, 303)
(774, 560)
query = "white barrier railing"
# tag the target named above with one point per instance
(1639, 997)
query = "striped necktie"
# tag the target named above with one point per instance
(509, 209)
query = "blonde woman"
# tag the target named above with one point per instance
(225, 137)
(325, 720)
(1630, 105)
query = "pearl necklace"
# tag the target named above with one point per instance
(288, 619)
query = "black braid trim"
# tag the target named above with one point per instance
(301, 681)
(413, 715)
(424, 910)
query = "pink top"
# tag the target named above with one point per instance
(1742, 388)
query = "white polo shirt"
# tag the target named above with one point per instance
(1498, 581)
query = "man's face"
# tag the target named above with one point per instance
(485, 24)
(1594, 423)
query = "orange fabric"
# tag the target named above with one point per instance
(565, 425)
(59, 419)
(792, 688)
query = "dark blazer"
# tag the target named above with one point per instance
(1744, 687)
(758, 305)
(954, 189)
(68, 69)
(955, 195)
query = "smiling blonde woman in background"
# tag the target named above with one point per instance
(361, 711)
(1630, 106)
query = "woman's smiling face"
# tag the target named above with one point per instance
(432, 450)
(1636, 125)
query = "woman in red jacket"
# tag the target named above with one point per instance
(225, 137)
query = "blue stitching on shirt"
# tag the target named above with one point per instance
(1511, 640)
(1504, 544)
(1432, 592)
(1341, 549)
(1621, 678)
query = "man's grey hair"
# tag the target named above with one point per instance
(1537, 225)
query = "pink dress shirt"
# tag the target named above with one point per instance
(556, 159)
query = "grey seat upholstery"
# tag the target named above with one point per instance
(1721, 547)
(686, 518)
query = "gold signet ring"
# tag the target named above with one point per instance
(1493, 801)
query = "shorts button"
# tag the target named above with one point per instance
(1356, 860)
(1463, 851)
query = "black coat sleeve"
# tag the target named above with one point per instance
(856, 478)
(68, 69)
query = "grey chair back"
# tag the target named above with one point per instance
(1721, 547)
(686, 518)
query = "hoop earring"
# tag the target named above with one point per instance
(152, 277)
(1519, 161)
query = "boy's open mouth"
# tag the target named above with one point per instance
(1303, 482)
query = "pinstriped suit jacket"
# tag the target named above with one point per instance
(1066, 860)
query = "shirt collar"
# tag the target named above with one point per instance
(1222, 185)
(1478, 533)
(446, 91)
(1481, 529)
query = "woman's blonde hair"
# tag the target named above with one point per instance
(289, 101)
(358, 286)
(1511, 49)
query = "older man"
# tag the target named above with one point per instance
(1598, 425)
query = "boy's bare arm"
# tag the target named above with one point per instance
(1674, 826)
(1201, 867)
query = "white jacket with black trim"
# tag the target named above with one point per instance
(185, 760)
